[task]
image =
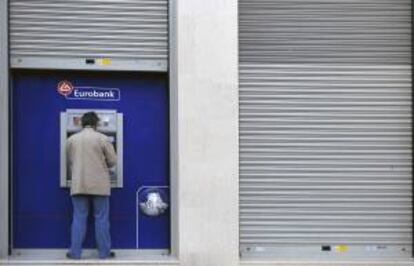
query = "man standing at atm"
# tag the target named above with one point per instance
(90, 155)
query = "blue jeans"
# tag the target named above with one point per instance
(80, 216)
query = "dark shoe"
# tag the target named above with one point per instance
(110, 256)
(69, 256)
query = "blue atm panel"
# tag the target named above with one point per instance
(41, 207)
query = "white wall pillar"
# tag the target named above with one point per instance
(4, 130)
(205, 57)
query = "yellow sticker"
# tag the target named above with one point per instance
(341, 248)
(105, 61)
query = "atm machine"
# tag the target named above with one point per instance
(138, 126)
(110, 124)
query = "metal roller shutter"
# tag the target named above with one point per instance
(114, 34)
(325, 128)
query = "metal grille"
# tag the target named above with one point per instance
(325, 127)
(124, 30)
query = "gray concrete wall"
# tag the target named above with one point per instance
(207, 78)
(4, 138)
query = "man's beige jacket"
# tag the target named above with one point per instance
(90, 155)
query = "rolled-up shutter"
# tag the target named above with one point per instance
(325, 128)
(113, 34)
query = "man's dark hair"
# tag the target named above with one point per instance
(90, 119)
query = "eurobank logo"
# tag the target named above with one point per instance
(88, 93)
(94, 94)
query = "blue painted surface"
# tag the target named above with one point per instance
(42, 210)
